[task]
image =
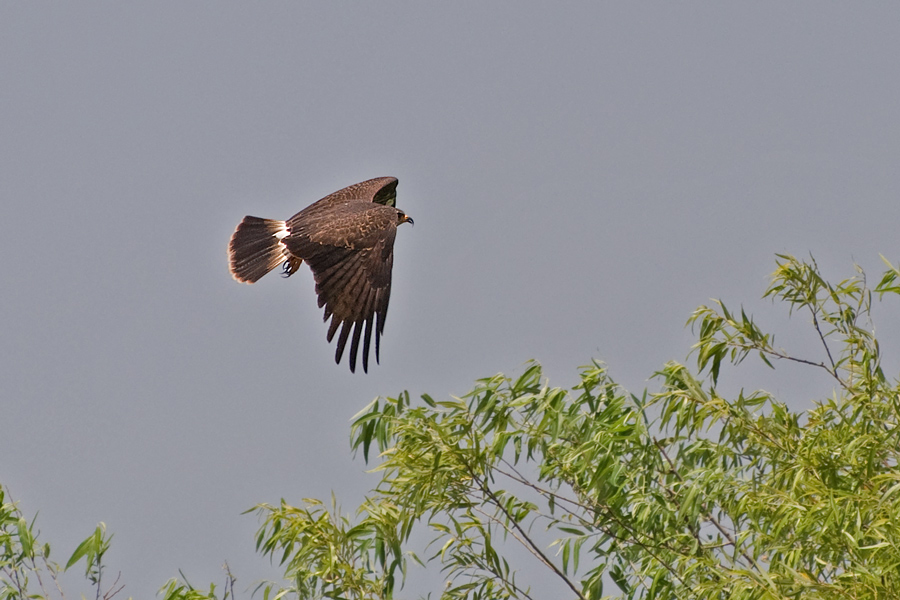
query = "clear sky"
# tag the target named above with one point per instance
(582, 176)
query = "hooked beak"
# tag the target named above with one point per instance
(408, 219)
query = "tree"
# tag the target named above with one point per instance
(26, 570)
(680, 493)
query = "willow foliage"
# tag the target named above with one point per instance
(682, 493)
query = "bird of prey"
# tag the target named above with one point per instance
(347, 239)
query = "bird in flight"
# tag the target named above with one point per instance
(347, 239)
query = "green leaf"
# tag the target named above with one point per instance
(84, 548)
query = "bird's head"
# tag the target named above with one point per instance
(402, 218)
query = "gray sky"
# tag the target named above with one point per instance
(582, 176)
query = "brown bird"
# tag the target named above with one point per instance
(347, 239)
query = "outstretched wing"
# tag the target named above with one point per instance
(381, 190)
(351, 254)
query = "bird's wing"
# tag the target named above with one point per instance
(353, 277)
(382, 190)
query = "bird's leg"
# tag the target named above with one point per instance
(290, 266)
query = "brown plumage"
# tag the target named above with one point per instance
(347, 239)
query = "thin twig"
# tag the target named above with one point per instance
(520, 540)
(647, 548)
(15, 577)
(52, 568)
(750, 560)
(822, 337)
(99, 575)
(229, 582)
(782, 355)
(608, 514)
(112, 591)
(37, 573)
(529, 542)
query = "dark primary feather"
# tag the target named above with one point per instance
(349, 247)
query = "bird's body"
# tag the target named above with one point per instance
(347, 239)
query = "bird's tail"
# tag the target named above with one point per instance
(256, 248)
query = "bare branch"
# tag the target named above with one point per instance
(113, 590)
(519, 539)
(529, 543)
(822, 337)
(782, 355)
